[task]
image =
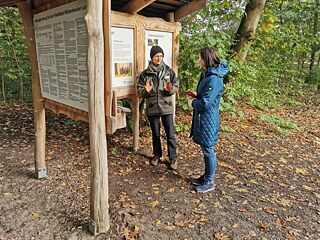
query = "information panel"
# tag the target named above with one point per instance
(61, 41)
(162, 39)
(122, 57)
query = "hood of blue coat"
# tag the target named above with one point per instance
(221, 70)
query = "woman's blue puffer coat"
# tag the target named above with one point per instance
(206, 119)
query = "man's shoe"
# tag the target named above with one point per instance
(197, 181)
(173, 164)
(205, 187)
(154, 161)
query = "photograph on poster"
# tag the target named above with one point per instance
(123, 69)
(153, 42)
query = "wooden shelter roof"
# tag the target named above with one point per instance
(148, 8)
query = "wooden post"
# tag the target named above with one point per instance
(38, 105)
(140, 65)
(99, 207)
(136, 114)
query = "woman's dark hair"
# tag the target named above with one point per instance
(210, 57)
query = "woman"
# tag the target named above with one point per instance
(157, 84)
(206, 121)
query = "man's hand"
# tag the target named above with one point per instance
(148, 85)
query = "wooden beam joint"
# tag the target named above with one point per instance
(190, 8)
(135, 6)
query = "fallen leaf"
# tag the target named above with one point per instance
(285, 202)
(7, 194)
(264, 227)
(170, 227)
(170, 190)
(307, 187)
(154, 203)
(241, 190)
(301, 170)
(221, 236)
(280, 223)
(35, 214)
(271, 211)
(242, 209)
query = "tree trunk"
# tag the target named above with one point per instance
(248, 25)
(315, 31)
(3, 92)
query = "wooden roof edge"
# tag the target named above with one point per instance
(135, 6)
(9, 3)
(190, 8)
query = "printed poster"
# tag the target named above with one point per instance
(162, 39)
(61, 42)
(122, 57)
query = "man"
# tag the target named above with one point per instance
(157, 84)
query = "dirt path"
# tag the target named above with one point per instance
(267, 183)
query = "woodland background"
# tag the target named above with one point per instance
(267, 181)
(274, 56)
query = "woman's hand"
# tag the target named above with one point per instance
(148, 85)
(191, 94)
(168, 87)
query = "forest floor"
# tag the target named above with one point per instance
(267, 182)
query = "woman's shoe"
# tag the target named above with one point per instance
(205, 187)
(197, 181)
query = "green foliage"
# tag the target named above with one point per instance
(114, 151)
(15, 72)
(277, 64)
(227, 129)
(129, 118)
(180, 127)
(314, 76)
(280, 124)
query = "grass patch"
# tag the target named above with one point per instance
(281, 125)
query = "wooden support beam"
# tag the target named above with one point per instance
(191, 7)
(38, 105)
(99, 206)
(135, 6)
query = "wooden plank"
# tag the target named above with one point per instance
(7, 3)
(99, 206)
(190, 8)
(39, 110)
(124, 92)
(135, 6)
(73, 113)
(162, 7)
(45, 5)
(156, 24)
(177, 4)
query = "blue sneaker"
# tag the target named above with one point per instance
(197, 181)
(205, 187)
